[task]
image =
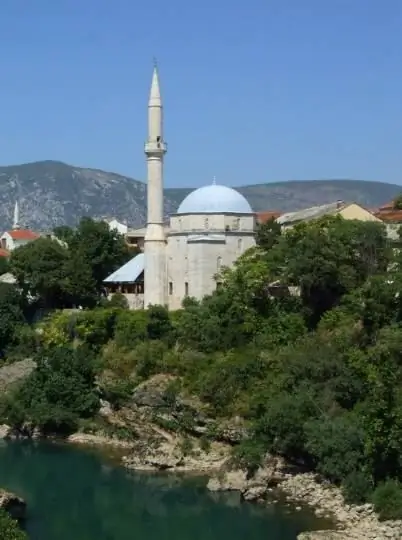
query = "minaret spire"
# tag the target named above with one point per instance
(16, 219)
(155, 280)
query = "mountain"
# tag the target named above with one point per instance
(52, 193)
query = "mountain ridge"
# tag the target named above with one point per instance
(52, 193)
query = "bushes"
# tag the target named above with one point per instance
(58, 393)
(357, 487)
(387, 499)
(131, 328)
(9, 528)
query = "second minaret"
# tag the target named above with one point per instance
(155, 278)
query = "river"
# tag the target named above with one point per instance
(78, 494)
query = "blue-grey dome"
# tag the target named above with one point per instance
(214, 199)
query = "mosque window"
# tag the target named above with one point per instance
(186, 288)
(186, 264)
(180, 224)
(219, 263)
(239, 244)
(206, 223)
(170, 288)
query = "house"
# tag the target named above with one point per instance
(15, 238)
(115, 225)
(392, 218)
(338, 208)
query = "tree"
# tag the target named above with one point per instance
(329, 257)
(9, 528)
(103, 249)
(397, 202)
(4, 265)
(59, 392)
(267, 234)
(11, 314)
(52, 273)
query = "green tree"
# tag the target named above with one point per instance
(11, 315)
(4, 265)
(51, 273)
(330, 257)
(9, 528)
(397, 202)
(267, 234)
(59, 392)
(103, 249)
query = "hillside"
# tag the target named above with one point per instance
(52, 193)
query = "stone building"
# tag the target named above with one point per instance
(213, 226)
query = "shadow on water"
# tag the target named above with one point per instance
(73, 493)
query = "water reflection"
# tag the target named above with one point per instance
(73, 494)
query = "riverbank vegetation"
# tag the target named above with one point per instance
(301, 341)
(9, 528)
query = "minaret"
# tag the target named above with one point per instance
(16, 220)
(155, 271)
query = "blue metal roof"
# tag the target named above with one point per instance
(129, 272)
(214, 199)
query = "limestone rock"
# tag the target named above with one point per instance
(12, 504)
(5, 431)
(105, 409)
(11, 374)
(151, 393)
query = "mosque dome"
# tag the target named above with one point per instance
(214, 199)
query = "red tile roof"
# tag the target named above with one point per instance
(4, 252)
(23, 234)
(392, 216)
(263, 217)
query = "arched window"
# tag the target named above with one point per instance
(186, 265)
(239, 244)
(179, 224)
(219, 263)
(206, 223)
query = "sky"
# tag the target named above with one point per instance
(254, 91)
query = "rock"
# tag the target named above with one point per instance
(12, 373)
(12, 504)
(229, 481)
(254, 493)
(152, 393)
(5, 431)
(105, 409)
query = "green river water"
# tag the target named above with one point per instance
(75, 494)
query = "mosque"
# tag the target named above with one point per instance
(212, 227)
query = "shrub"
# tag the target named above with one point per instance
(387, 500)
(59, 392)
(9, 528)
(118, 392)
(131, 328)
(337, 445)
(118, 300)
(248, 455)
(357, 487)
(186, 446)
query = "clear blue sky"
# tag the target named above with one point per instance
(254, 91)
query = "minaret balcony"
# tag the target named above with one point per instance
(155, 147)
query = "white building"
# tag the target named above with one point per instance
(17, 236)
(213, 226)
(115, 225)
